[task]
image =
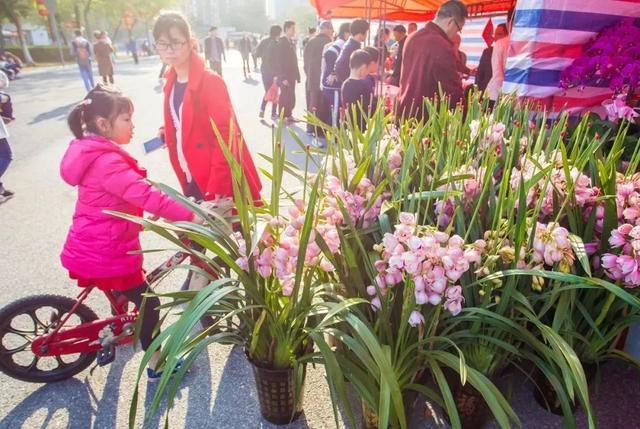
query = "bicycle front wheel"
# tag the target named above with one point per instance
(22, 321)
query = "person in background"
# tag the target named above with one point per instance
(372, 66)
(103, 52)
(81, 50)
(244, 46)
(483, 74)
(132, 46)
(461, 60)
(6, 109)
(356, 90)
(267, 51)
(288, 72)
(145, 48)
(310, 33)
(498, 63)
(254, 57)
(214, 50)
(424, 71)
(412, 28)
(400, 34)
(312, 56)
(380, 42)
(10, 64)
(359, 30)
(328, 80)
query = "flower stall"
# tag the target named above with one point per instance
(444, 259)
(440, 259)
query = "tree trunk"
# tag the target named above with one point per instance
(14, 17)
(87, 27)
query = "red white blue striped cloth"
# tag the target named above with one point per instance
(547, 36)
(472, 42)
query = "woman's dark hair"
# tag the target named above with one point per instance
(275, 31)
(168, 20)
(101, 102)
(345, 28)
(288, 25)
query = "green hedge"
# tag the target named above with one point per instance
(43, 54)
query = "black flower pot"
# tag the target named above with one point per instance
(279, 402)
(546, 396)
(472, 409)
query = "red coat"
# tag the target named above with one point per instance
(428, 59)
(206, 100)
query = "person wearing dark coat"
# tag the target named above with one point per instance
(359, 30)
(103, 52)
(288, 72)
(312, 55)
(400, 34)
(328, 81)
(425, 70)
(267, 51)
(484, 72)
(214, 50)
(244, 46)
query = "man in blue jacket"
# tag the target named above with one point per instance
(359, 30)
(328, 81)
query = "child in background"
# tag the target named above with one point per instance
(103, 250)
(357, 92)
(6, 110)
(372, 67)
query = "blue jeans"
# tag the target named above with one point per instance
(87, 76)
(5, 157)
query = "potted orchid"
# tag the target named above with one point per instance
(379, 160)
(281, 295)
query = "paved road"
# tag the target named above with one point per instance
(219, 392)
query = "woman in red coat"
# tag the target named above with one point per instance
(195, 98)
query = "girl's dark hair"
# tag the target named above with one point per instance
(168, 20)
(101, 102)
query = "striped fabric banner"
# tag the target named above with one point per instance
(547, 36)
(472, 42)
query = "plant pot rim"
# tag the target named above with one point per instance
(266, 366)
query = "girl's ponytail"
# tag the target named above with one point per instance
(75, 121)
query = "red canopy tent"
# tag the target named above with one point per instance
(402, 10)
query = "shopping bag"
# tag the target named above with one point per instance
(273, 94)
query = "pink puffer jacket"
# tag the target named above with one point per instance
(99, 244)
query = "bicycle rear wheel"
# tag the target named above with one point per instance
(22, 321)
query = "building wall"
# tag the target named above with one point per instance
(277, 9)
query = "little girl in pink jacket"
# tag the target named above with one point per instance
(100, 249)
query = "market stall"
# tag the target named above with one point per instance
(547, 36)
(402, 10)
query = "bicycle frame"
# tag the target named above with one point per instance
(116, 330)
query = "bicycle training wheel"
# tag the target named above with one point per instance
(22, 321)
